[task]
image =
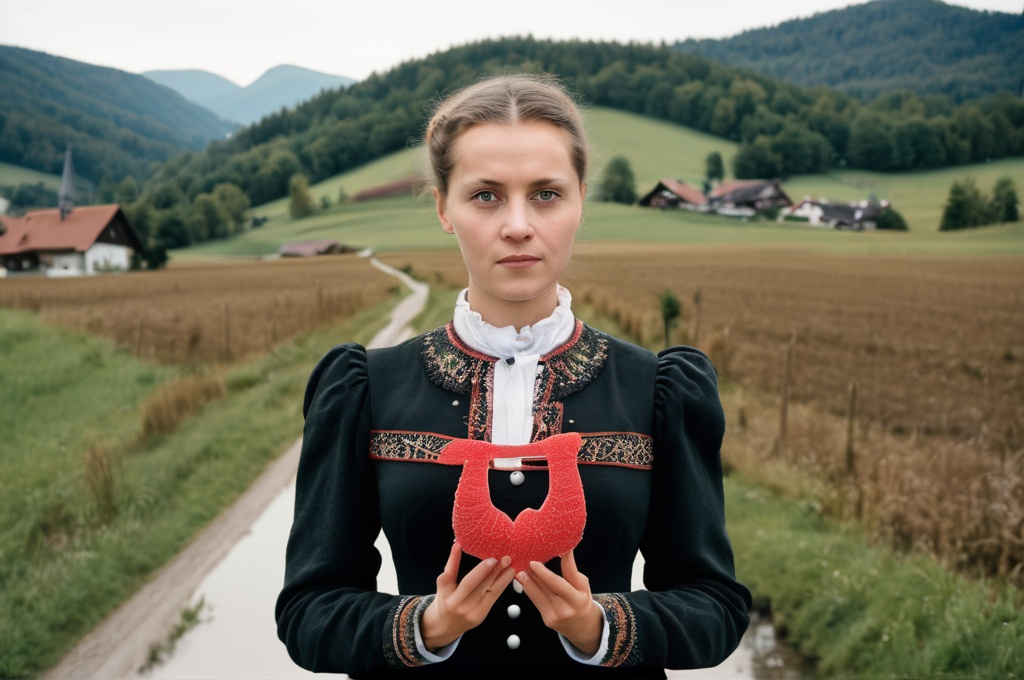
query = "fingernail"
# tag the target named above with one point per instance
(505, 561)
(490, 562)
(522, 577)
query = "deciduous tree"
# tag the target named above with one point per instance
(618, 185)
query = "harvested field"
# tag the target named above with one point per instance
(935, 346)
(200, 312)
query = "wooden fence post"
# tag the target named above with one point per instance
(227, 330)
(851, 452)
(787, 379)
(697, 297)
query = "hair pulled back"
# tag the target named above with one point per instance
(503, 100)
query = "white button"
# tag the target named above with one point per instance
(517, 477)
(513, 610)
(513, 642)
(517, 586)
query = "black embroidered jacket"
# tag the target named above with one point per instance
(652, 430)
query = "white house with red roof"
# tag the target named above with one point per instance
(67, 241)
(56, 242)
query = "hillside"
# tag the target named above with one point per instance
(782, 130)
(119, 123)
(925, 46)
(281, 87)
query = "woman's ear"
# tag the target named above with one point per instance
(442, 214)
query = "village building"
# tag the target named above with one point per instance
(312, 248)
(745, 198)
(67, 240)
(86, 240)
(858, 216)
(674, 193)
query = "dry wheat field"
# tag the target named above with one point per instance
(933, 458)
(206, 312)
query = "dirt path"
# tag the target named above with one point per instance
(120, 645)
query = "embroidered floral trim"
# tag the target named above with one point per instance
(575, 364)
(622, 643)
(400, 648)
(618, 448)
(606, 448)
(409, 446)
(456, 367)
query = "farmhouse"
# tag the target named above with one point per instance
(859, 216)
(311, 248)
(68, 241)
(674, 193)
(744, 198)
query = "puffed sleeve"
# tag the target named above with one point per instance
(329, 613)
(694, 612)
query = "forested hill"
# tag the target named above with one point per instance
(118, 123)
(925, 46)
(782, 129)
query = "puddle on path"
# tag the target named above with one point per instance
(237, 637)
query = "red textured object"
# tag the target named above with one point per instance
(536, 534)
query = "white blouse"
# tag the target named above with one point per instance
(516, 374)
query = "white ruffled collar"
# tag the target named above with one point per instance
(535, 340)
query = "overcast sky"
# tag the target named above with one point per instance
(241, 40)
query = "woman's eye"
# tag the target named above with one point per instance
(485, 196)
(547, 195)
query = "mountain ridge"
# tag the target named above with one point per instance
(282, 86)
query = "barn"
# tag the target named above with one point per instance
(674, 193)
(61, 242)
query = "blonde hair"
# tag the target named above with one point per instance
(503, 100)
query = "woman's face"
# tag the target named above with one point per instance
(514, 203)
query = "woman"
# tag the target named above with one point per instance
(509, 160)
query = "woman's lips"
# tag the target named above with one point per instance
(518, 261)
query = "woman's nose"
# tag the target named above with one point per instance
(518, 224)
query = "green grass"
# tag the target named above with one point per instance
(63, 566)
(13, 175)
(861, 611)
(655, 149)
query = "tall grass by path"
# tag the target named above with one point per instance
(860, 611)
(64, 565)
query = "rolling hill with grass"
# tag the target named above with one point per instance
(655, 149)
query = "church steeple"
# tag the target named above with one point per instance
(67, 186)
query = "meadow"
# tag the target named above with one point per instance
(13, 175)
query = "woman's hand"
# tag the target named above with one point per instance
(565, 602)
(459, 607)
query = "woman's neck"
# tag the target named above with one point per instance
(516, 313)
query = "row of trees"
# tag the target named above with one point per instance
(783, 129)
(967, 206)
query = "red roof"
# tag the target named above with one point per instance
(685, 191)
(723, 189)
(43, 230)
